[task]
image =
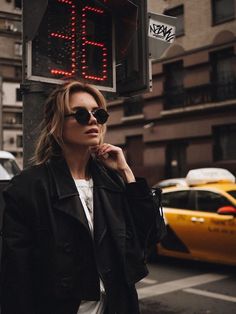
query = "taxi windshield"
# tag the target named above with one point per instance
(232, 193)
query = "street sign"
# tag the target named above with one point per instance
(161, 33)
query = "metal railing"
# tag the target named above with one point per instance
(214, 92)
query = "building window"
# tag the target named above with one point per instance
(173, 86)
(224, 142)
(223, 76)
(18, 49)
(18, 4)
(133, 106)
(2, 24)
(19, 141)
(176, 159)
(18, 94)
(18, 72)
(10, 26)
(222, 11)
(134, 151)
(179, 13)
(12, 118)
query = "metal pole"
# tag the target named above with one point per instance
(1, 113)
(34, 96)
(34, 93)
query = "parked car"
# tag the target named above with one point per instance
(8, 168)
(8, 165)
(201, 217)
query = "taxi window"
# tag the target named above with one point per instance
(232, 193)
(209, 201)
(179, 199)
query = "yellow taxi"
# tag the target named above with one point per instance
(201, 217)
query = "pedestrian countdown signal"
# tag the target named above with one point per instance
(74, 40)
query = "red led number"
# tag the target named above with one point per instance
(87, 43)
(70, 38)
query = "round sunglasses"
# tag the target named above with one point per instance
(82, 115)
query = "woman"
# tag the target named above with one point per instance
(77, 222)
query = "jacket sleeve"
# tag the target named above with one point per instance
(143, 210)
(16, 270)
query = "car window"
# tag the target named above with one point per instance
(232, 193)
(3, 173)
(210, 201)
(8, 166)
(179, 199)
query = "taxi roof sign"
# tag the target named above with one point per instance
(209, 175)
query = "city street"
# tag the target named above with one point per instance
(117, 121)
(185, 287)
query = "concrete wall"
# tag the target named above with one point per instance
(9, 94)
(9, 7)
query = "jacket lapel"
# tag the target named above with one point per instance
(66, 197)
(108, 213)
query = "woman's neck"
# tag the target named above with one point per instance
(77, 161)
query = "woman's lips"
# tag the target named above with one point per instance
(93, 131)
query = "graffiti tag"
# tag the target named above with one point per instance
(162, 31)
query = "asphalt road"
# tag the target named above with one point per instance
(185, 287)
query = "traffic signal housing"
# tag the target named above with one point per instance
(102, 42)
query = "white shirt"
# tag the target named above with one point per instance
(85, 190)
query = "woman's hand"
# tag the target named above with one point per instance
(113, 157)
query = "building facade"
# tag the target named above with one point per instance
(10, 74)
(189, 118)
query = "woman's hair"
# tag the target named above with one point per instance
(50, 142)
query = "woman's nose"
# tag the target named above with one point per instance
(92, 119)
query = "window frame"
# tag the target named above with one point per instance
(218, 132)
(18, 49)
(133, 106)
(18, 95)
(16, 4)
(174, 9)
(228, 19)
(175, 92)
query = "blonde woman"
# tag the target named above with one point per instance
(77, 222)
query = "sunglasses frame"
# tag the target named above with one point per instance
(93, 112)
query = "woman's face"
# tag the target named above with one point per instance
(75, 134)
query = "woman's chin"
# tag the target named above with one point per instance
(92, 142)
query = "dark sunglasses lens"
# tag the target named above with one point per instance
(82, 116)
(101, 116)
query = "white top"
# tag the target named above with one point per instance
(85, 190)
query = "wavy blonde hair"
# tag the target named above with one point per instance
(50, 142)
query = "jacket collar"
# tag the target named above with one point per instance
(65, 185)
(67, 199)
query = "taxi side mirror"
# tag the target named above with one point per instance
(227, 210)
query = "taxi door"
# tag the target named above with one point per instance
(186, 230)
(196, 229)
(216, 233)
